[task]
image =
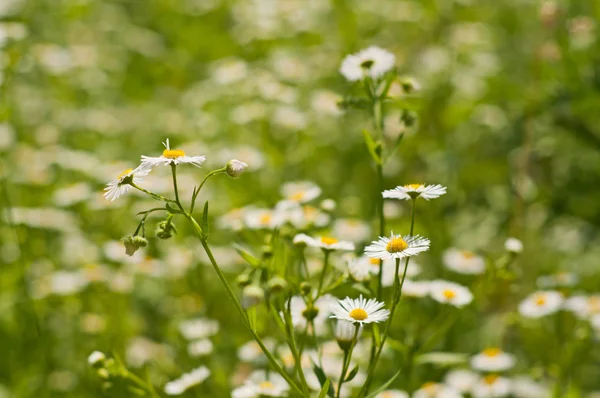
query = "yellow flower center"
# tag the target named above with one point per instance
(396, 245)
(413, 186)
(387, 394)
(358, 314)
(468, 254)
(173, 153)
(490, 379)
(430, 387)
(449, 294)
(297, 196)
(492, 352)
(265, 219)
(594, 304)
(374, 261)
(540, 300)
(328, 241)
(266, 385)
(124, 173)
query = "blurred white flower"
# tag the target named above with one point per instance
(492, 386)
(171, 156)
(560, 279)
(493, 360)
(324, 242)
(360, 310)
(389, 269)
(263, 218)
(541, 303)
(200, 328)
(526, 387)
(413, 191)
(392, 394)
(462, 380)
(583, 306)
(464, 262)
(322, 307)
(200, 348)
(354, 230)
(397, 247)
(259, 384)
(513, 245)
(300, 191)
(436, 390)
(252, 353)
(373, 62)
(450, 293)
(187, 381)
(96, 357)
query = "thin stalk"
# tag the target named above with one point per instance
(146, 214)
(238, 306)
(174, 173)
(212, 173)
(323, 272)
(152, 194)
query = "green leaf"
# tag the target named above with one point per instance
(442, 358)
(249, 258)
(172, 210)
(352, 374)
(323, 379)
(376, 334)
(372, 147)
(204, 224)
(325, 389)
(362, 289)
(384, 386)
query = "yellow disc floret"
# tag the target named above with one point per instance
(173, 153)
(396, 245)
(123, 174)
(297, 196)
(267, 385)
(449, 294)
(540, 300)
(328, 240)
(490, 379)
(413, 186)
(358, 314)
(492, 352)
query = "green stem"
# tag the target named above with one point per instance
(174, 173)
(212, 173)
(238, 306)
(323, 272)
(146, 214)
(154, 195)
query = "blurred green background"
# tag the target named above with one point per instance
(509, 121)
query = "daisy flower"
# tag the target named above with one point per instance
(263, 218)
(261, 385)
(462, 380)
(352, 229)
(172, 156)
(583, 306)
(360, 310)
(513, 245)
(324, 242)
(560, 279)
(397, 246)
(119, 186)
(492, 360)
(464, 262)
(450, 293)
(541, 303)
(413, 191)
(373, 62)
(436, 390)
(360, 269)
(492, 386)
(300, 191)
(526, 387)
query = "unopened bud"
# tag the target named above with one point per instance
(310, 312)
(305, 288)
(165, 229)
(267, 252)
(243, 280)
(252, 295)
(277, 284)
(96, 359)
(410, 85)
(513, 245)
(235, 167)
(133, 243)
(344, 334)
(409, 118)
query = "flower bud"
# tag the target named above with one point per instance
(277, 284)
(165, 229)
(310, 312)
(133, 243)
(235, 167)
(252, 295)
(513, 245)
(267, 252)
(328, 205)
(243, 280)
(409, 118)
(96, 359)
(410, 85)
(305, 288)
(344, 334)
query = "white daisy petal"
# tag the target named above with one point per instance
(359, 310)
(397, 246)
(373, 62)
(411, 191)
(172, 156)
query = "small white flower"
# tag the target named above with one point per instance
(200, 348)
(392, 394)
(412, 288)
(251, 351)
(259, 385)
(450, 293)
(560, 279)
(373, 62)
(300, 191)
(360, 269)
(513, 245)
(187, 380)
(462, 380)
(172, 156)
(525, 387)
(541, 303)
(436, 390)
(353, 230)
(464, 262)
(397, 246)
(235, 167)
(263, 218)
(413, 191)
(119, 186)
(324, 242)
(199, 328)
(360, 310)
(583, 306)
(492, 360)
(492, 386)
(96, 357)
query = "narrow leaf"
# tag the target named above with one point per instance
(325, 389)
(249, 258)
(352, 374)
(205, 219)
(384, 386)
(376, 334)
(371, 146)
